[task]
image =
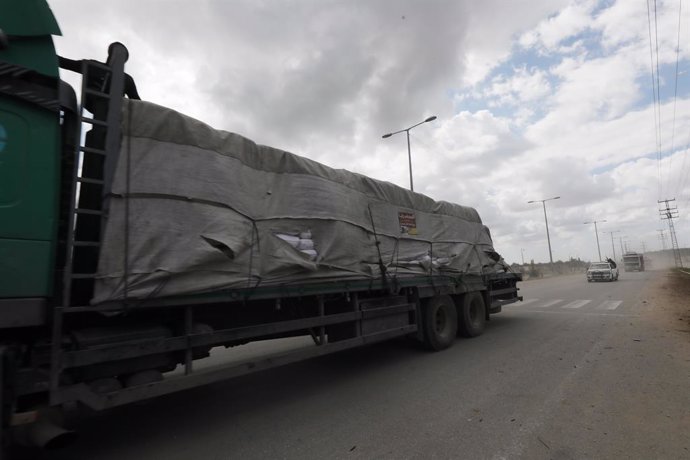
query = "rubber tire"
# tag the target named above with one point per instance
(440, 322)
(472, 315)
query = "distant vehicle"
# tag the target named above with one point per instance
(602, 271)
(633, 262)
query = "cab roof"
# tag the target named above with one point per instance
(27, 18)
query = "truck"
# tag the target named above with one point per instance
(134, 240)
(633, 261)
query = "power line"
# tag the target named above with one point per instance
(656, 104)
(658, 94)
(675, 91)
(683, 178)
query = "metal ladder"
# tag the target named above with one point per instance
(93, 169)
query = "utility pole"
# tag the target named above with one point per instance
(669, 213)
(644, 247)
(663, 239)
(546, 221)
(613, 246)
(596, 232)
(522, 250)
(620, 240)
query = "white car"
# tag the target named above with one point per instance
(602, 271)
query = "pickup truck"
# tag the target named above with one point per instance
(602, 271)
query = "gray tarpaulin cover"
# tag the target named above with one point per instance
(205, 210)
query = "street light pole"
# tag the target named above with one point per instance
(409, 159)
(409, 152)
(596, 232)
(613, 246)
(546, 220)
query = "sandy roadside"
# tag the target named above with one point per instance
(630, 397)
(670, 295)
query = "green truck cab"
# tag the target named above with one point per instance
(30, 132)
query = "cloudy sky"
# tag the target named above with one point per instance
(534, 98)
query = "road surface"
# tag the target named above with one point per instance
(578, 370)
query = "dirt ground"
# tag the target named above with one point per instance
(633, 398)
(670, 296)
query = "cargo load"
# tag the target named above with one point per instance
(195, 210)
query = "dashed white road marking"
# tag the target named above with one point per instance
(609, 305)
(551, 303)
(576, 304)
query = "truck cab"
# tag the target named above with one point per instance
(30, 97)
(633, 261)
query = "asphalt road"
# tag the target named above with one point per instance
(572, 372)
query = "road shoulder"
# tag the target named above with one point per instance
(628, 397)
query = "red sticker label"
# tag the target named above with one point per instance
(408, 223)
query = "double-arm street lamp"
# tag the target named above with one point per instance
(546, 220)
(409, 154)
(596, 231)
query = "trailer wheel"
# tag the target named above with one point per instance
(440, 322)
(472, 313)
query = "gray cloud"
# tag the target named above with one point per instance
(325, 79)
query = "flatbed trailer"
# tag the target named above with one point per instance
(58, 349)
(336, 315)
